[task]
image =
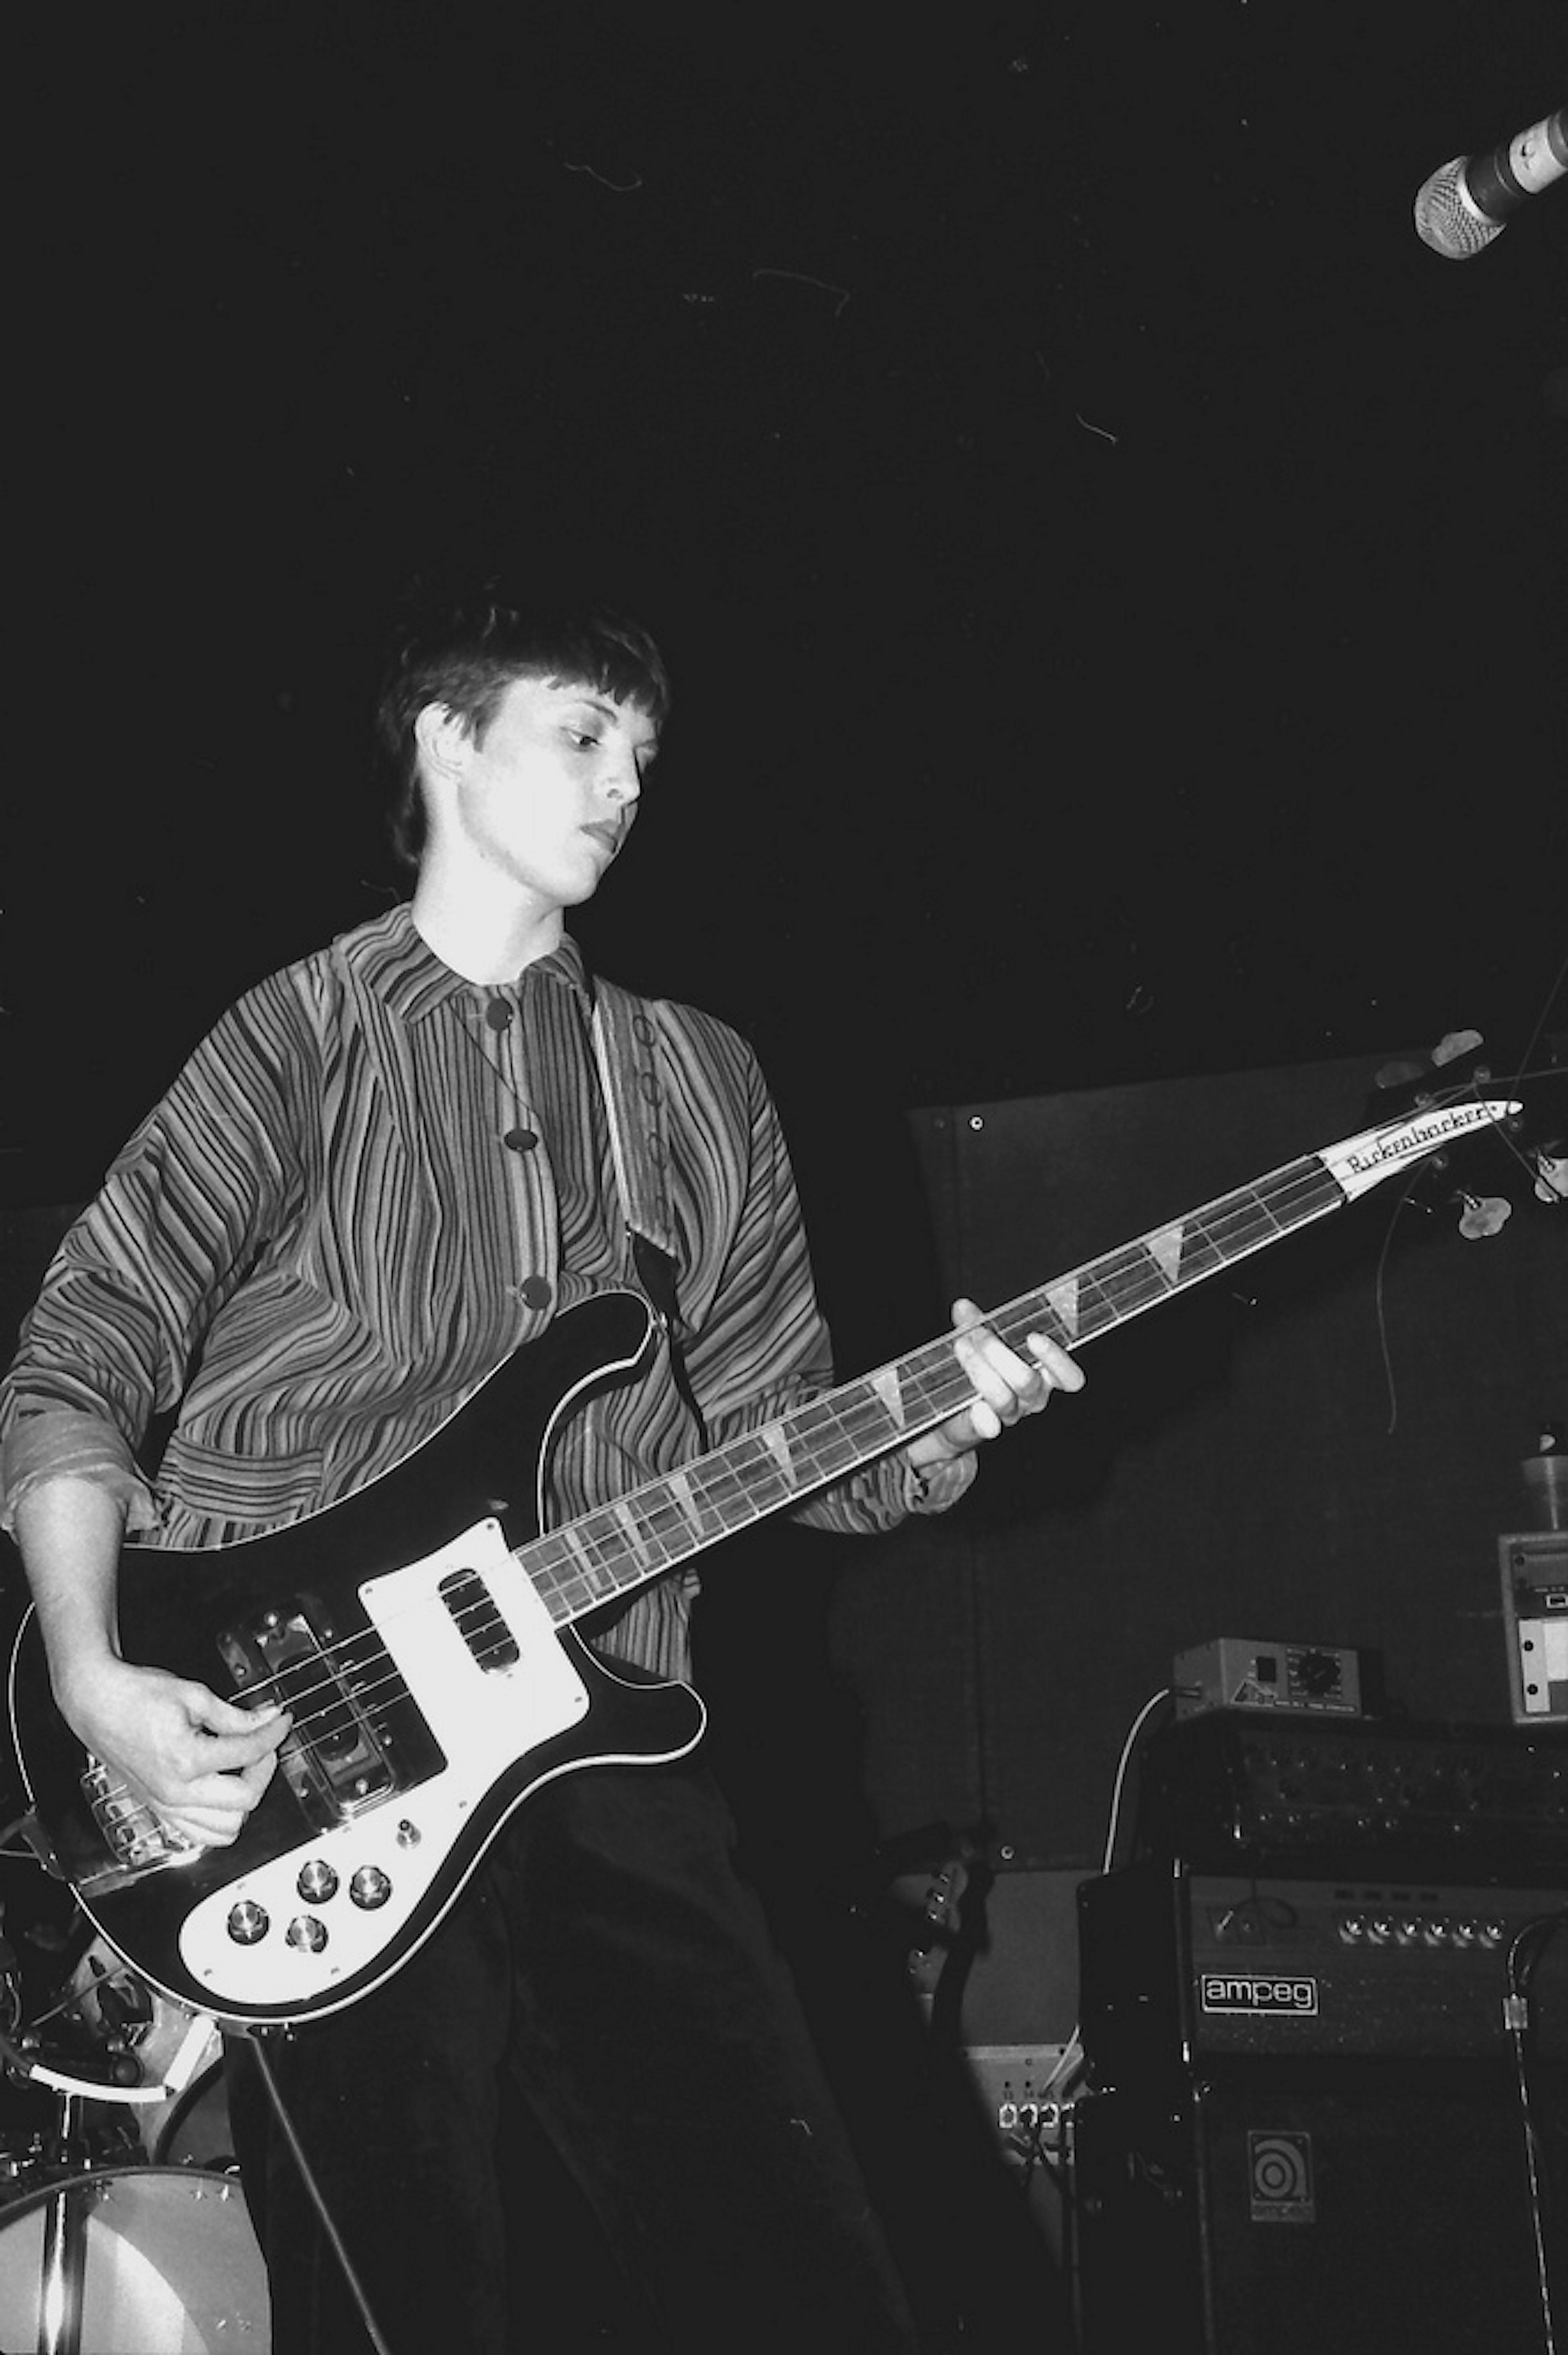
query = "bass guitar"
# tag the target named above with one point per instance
(422, 1631)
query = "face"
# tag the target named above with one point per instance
(544, 797)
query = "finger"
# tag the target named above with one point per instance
(1062, 1373)
(1003, 1379)
(222, 1717)
(226, 1753)
(225, 1797)
(215, 1811)
(201, 1826)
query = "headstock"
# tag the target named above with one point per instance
(1482, 1177)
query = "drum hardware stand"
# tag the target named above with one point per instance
(317, 2198)
(64, 2277)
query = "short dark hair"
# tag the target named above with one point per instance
(466, 650)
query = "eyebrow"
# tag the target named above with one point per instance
(614, 711)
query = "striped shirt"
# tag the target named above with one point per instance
(375, 1179)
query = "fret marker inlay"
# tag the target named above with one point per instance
(1164, 1247)
(1064, 1299)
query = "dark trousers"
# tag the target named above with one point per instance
(587, 2114)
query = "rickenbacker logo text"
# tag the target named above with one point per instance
(1415, 1136)
(1257, 1994)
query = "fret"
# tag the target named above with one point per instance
(724, 1489)
(866, 1420)
(1165, 1247)
(822, 1439)
(640, 1530)
(553, 1566)
(888, 1391)
(1131, 1280)
(593, 1541)
(1202, 1253)
(757, 1473)
(697, 1514)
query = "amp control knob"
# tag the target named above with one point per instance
(248, 1923)
(370, 1887)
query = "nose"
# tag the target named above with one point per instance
(623, 782)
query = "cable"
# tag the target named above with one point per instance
(1524, 1953)
(1072, 2060)
(26, 2065)
(31, 2066)
(317, 2198)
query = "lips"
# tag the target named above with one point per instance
(610, 835)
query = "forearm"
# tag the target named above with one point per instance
(201, 1762)
(68, 1531)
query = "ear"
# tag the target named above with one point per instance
(444, 741)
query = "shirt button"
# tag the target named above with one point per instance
(520, 1140)
(534, 1292)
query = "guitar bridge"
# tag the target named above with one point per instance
(136, 1839)
(342, 1754)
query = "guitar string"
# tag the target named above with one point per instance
(1301, 1179)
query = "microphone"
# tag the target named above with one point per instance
(1467, 204)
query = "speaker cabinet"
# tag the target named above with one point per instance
(1348, 2212)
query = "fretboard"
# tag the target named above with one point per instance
(658, 1527)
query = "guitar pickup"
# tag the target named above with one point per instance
(335, 1757)
(478, 1621)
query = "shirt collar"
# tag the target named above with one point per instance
(400, 968)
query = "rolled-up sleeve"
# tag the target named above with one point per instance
(129, 1294)
(54, 1442)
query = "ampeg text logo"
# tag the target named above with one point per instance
(1257, 1994)
(1279, 2179)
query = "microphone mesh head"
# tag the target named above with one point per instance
(1447, 220)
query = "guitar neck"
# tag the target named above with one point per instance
(659, 1525)
(668, 1521)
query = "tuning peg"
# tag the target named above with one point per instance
(1483, 1214)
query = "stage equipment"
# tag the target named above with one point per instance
(1344, 2210)
(1238, 1790)
(1236, 1672)
(1182, 1970)
(136, 2257)
(1533, 1566)
(100, 2253)
(1470, 201)
(1324, 2012)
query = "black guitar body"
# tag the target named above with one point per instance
(267, 1613)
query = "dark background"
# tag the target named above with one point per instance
(1112, 570)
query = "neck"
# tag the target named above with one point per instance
(486, 935)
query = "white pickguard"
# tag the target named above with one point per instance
(484, 1720)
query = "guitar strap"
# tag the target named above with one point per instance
(625, 1050)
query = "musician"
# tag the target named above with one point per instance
(387, 1168)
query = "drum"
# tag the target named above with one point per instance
(120, 2012)
(194, 2132)
(171, 2264)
